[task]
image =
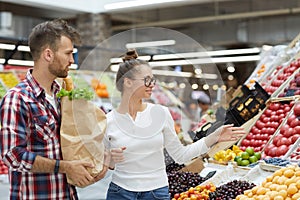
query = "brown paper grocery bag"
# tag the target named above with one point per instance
(82, 130)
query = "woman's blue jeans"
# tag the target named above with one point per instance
(116, 192)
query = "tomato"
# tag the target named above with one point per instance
(295, 137)
(295, 123)
(284, 141)
(268, 113)
(277, 139)
(297, 109)
(280, 111)
(289, 132)
(259, 124)
(282, 150)
(297, 129)
(273, 152)
(274, 106)
(284, 128)
(290, 119)
(245, 143)
(274, 118)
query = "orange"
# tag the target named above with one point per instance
(296, 196)
(292, 189)
(288, 173)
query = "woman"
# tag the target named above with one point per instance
(137, 132)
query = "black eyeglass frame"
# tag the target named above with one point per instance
(147, 80)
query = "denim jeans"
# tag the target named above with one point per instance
(116, 192)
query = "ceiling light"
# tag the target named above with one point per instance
(150, 44)
(231, 69)
(215, 87)
(136, 3)
(207, 76)
(195, 86)
(182, 85)
(198, 71)
(23, 48)
(205, 87)
(7, 46)
(206, 53)
(119, 60)
(2, 60)
(172, 73)
(114, 68)
(230, 77)
(20, 62)
(73, 66)
(223, 87)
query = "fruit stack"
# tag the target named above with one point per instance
(282, 184)
(266, 125)
(9, 79)
(223, 156)
(247, 157)
(285, 139)
(181, 182)
(282, 76)
(293, 88)
(230, 190)
(200, 192)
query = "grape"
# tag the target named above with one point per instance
(182, 181)
(230, 190)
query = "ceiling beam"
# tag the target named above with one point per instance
(176, 22)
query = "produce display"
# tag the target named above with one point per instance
(200, 192)
(266, 125)
(283, 184)
(282, 76)
(228, 155)
(179, 182)
(247, 157)
(295, 155)
(293, 88)
(230, 190)
(9, 79)
(282, 142)
(2, 90)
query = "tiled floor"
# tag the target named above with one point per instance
(96, 191)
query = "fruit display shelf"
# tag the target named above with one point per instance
(269, 60)
(269, 121)
(285, 137)
(291, 87)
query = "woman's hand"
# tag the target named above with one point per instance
(117, 154)
(224, 133)
(230, 133)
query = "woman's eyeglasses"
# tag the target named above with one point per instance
(147, 80)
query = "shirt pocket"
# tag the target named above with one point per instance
(45, 128)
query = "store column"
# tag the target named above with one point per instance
(94, 29)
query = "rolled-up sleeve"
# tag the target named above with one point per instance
(13, 138)
(180, 153)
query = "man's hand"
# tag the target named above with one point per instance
(77, 172)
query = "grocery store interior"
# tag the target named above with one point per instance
(243, 56)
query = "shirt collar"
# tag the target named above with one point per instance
(37, 89)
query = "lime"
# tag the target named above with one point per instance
(245, 156)
(253, 159)
(257, 155)
(236, 158)
(245, 162)
(250, 151)
(239, 161)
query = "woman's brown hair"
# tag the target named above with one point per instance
(128, 67)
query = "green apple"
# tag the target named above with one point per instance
(253, 159)
(245, 162)
(257, 155)
(250, 151)
(245, 155)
